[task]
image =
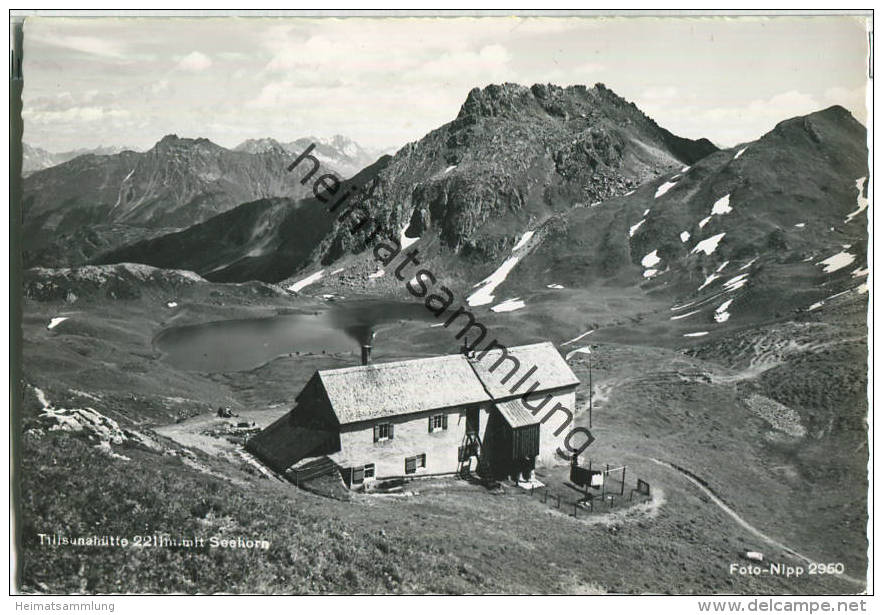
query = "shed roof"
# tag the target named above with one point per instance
(552, 371)
(514, 412)
(284, 443)
(378, 390)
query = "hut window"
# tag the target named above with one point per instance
(412, 464)
(369, 470)
(438, 422)
(383, 431)
(358, 476)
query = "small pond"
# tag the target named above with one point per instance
(236, 345)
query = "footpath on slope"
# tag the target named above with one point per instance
(741, 521)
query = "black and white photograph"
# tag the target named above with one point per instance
(542, 303)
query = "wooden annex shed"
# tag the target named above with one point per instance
(439, 415)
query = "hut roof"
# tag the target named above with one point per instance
(373, 391)
(378, 390)
(552, 371)
(514, 412)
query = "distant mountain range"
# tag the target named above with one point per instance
(573, 187)
(338, 152)
(36, 158)
(513, 157)
(99, 200)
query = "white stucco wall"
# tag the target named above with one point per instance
(410, 437)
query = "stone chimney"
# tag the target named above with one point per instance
(366, 354)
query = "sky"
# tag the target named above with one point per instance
(384, 82)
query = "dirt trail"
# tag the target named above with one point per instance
(741, 521)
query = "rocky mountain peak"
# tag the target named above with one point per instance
(174, 142)
(834, 116)
(512, 99)
(831, 125)
(259, 146)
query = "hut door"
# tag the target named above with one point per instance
(472, 421)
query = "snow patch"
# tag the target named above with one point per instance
(629, 193)
(837, 295)
(555, 286)
(685, 236)
(861, 201)
(685, 169)
(524, 239)
(56, 321)
(816, 305)
(696, 334)
(862, 288)
(82, 394)
(859, 272)
(41, 397)
(172, 304)
(708, 281)
(646, 211)
(736, 283)
(721, 206)
(837, 262)
(405, 240)
(740, 152)
(509, 305)
(679, 316)
(450, 168)
(486, 287)
(664, 188)
(377, 274)
(722, 265)
(578, 337)
(304, 282)
(336, 271)
(634, 228)
(580, 350)
(800, 225)
(708, 245)
(649, 273)
(721, 314)
(748, 264)
(650, 259)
